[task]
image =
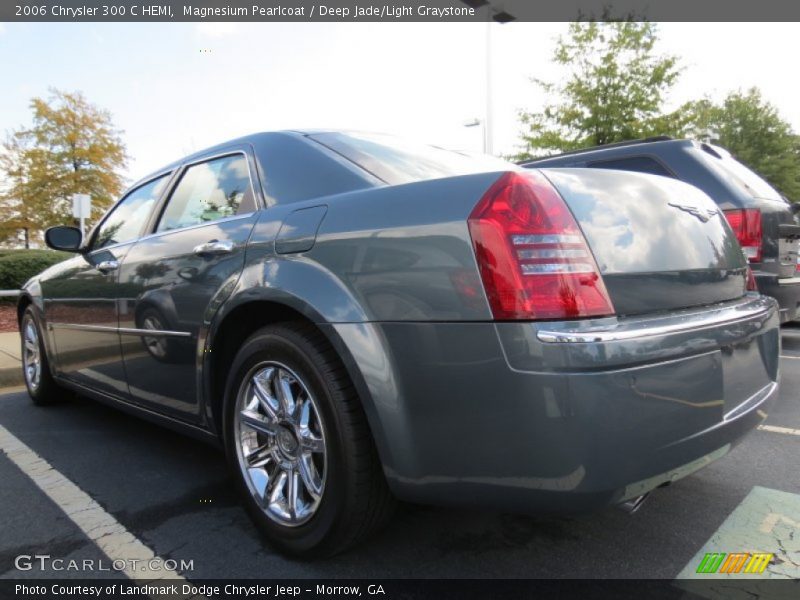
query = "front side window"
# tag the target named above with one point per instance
(126, 221)
(209, 191)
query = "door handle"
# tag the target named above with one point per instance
(213, 248)
(107, 266)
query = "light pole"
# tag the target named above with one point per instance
(498, 16)
(476, 122)
(488, 146)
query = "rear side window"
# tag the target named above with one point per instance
(126, 221)
(209, 191)
(736, 173)
(397, 161)
(640, 164)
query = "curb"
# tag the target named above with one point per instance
(11, 377)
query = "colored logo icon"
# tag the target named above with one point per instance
(735, 562)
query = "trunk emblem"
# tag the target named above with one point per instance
(704, 214)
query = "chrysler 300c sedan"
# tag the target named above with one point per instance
(357, 319)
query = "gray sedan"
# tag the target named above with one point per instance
(357, 319)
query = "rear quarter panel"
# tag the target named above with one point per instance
(404, 252)
(396, 253)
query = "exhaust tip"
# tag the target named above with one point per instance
(634, 504)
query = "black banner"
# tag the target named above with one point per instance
(404, 589)
(502, 11)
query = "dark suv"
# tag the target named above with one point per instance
(762, 219)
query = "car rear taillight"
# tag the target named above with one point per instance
(533, 258)
(746, 224)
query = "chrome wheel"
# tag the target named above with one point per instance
(280, 443)
(31, 353)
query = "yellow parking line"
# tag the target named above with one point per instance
(774, 429)
(116, 542)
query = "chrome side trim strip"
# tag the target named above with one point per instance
(121, 330)
(761, 307)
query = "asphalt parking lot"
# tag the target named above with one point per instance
(173, 495)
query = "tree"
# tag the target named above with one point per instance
(614, 90)
(751, 129)
(71, 147)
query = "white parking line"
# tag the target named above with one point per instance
(116, 542)
(774, 429)
(791, 357)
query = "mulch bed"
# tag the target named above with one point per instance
(8, 317)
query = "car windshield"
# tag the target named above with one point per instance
(395, 160)
(736, 172)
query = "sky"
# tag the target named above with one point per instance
(174, 88)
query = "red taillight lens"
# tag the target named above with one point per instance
(533, 258)
(746, 224)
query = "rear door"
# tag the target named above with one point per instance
(82, 302)
(178, 276)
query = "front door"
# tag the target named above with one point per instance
(81, 305)
(180, 274)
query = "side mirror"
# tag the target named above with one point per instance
(62, 237)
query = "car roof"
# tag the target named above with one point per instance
(252, 139)
(618, 148)
(221, 147)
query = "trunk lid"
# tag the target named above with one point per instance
(660, 244)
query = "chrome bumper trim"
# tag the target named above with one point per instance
(650, 327)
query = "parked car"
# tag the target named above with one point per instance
(369, 319)
(762, 219)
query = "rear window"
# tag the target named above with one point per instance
(639, 164)
(396, 161)
(735, 172)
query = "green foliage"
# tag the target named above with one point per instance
(71, 147)
(753, 131)
(17, 266)
(613, 90)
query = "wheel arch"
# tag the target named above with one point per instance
(240, 320)
(23, 303)
(30, 296)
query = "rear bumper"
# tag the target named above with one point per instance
(785, 291)
(490, 415)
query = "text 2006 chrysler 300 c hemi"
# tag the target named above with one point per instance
(357, 319)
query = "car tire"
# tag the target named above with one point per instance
(311, 478)
(41, 386)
